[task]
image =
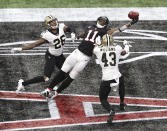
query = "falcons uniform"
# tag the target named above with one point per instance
(54, 54)
(80, 57)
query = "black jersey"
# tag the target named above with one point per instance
(88, 42)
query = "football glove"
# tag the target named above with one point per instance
(126, 43)
(13, 50)
(135, 20)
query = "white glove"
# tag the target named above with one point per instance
(13, 50)
(98, 40)
(126, 43)
(73, 37)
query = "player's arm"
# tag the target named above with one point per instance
(30, 46)
(124, 27)
(125, 52)
(81, 35)
(70, 30)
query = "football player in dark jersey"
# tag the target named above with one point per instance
(79, 58)
(55, 37)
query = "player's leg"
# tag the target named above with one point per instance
(79, 65)
(48, 70)
(69, 63)
(103, 94)
(60, 76)
(59, 61)
(122, 93)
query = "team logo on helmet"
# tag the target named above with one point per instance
(49, 19)
(107, 40)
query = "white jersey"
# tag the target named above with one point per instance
(108, 59)
(56, 42)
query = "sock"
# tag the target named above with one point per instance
(58, 78)
(34, 80)
(64, 84)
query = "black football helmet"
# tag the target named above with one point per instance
(104, 18)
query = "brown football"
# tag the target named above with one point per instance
(133, 14)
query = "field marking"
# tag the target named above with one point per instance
(90, 119)
(54, 113)
(78, 14)
(37, 93)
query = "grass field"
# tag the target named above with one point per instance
(80, 3)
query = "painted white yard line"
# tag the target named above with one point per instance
(93, 123)
(80, 14)
(54, 112)
(37, 93)
(143, 57)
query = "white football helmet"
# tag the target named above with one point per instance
(49, 19)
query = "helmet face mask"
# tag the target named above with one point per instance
(49, 19)
(102, 21)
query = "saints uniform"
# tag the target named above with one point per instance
(108, 58)
(108, 55)
(54, 54)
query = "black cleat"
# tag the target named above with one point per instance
(122, 106)
(111, 117)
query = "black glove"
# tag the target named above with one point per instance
(135, 20)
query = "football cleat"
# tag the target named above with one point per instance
(49, 93)
(111, 117)
(20, 86)
(122, 106)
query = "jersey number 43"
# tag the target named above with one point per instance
(109, 59)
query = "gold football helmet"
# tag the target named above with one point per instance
(49, 19)
(107, 40)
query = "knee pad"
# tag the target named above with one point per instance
(74, 74)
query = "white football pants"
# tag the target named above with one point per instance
(75, 63)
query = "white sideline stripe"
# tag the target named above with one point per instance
(144, 98)
(93, 123)
(80, 14)
(69, 125)
(54, 111)
(21, 99)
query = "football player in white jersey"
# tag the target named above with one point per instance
(55, 37)
(79, 58)
(108, 55)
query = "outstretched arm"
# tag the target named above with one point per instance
(30, 46)
(35, 44)
(124, 27)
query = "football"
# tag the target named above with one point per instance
(133, 14)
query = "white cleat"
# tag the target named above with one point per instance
(49, 93)
(20, 86)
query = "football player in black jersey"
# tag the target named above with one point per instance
(80, 57)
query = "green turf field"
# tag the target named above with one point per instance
(80, 3)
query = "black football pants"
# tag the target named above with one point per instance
(105, 90)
